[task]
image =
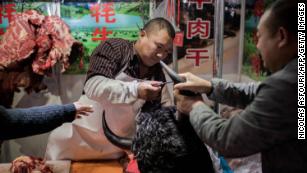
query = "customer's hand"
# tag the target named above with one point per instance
(185, 104)
(194, 83)
(149, 90)
(82, 109)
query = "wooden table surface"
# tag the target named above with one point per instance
(112, 166)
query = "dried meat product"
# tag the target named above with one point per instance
(18, 42)
(38, 42)
(55, 44)
(45, 40)
(27, 164)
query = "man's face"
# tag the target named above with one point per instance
(155, 46)
(267, 44)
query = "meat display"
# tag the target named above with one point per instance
(26, 164)
(18, 42)
(54, 43)
(31, 46)
(48, 37)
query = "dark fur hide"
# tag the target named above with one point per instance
(164, 144)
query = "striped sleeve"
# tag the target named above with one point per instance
(108, 58)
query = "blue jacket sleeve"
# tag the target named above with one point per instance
(16, 123)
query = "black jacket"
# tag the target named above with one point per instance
(16, 123)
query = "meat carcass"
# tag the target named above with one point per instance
(36, 41)
(55, 44)
(47, 37)
(18, 42)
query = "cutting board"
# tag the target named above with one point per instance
(60, 166)
(103, 166)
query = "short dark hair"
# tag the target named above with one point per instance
(158, 24)
(283, 13)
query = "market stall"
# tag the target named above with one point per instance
(46, 57)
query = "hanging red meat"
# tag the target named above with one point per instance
(31, 46)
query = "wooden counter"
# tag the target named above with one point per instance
(112, 166)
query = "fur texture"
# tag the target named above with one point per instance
(164, 144)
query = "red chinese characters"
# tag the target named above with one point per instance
(197, 55)
(6, 11)
(104, 33)
(198, 27)
(199, 3)
(106, 11)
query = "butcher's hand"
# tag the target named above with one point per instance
(82, 109)
(185, 104)
(149, 90)
(194, 83)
